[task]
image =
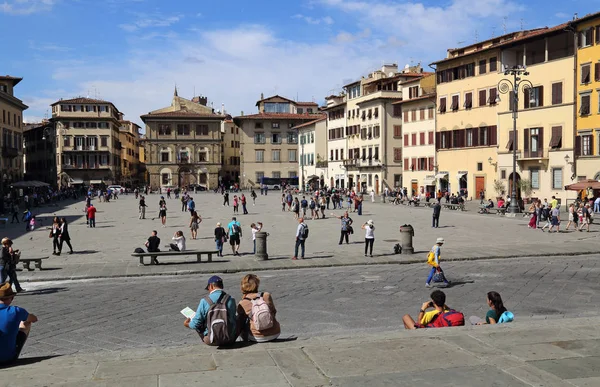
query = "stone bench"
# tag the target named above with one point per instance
(27, 263)
(157, 254)
(455, 207)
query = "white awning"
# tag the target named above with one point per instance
(76, 181)
(441, 175)
(428, 181)
(460, 175)
(95, 181)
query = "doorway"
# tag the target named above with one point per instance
(376, 184)
(510, 185)
(414, 188)
(479, 185)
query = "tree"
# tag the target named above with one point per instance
(499, 187)
(526, 188)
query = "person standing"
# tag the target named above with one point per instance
(433, 260)
(235, 204)
(243, 200)
(191, 205)
(304, 205)
(372, 196)
(346, 226)
(322, 203)
(255, 228)
(10, 257)
(220, 238)
(5, 260)
(142, 207)
(183, 203)
(64, 236)
(15, 212)
(369, 228)
(301, 235)
(359, 202)
(162, 212)
(296, 208)
(195, 224)
(253, 196)
(437, 209)
(91, 212)
(226, 199)
(55, 235)
(235, 234)
(572, 215)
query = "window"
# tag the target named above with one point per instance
(597, 71)
(258, 125)
(275, 125)
(396, 113)
(292, 155)
(202, 130)
(479, 167)
(557, 97)
(493, 64)
(442, 105)
(469, 137)
(413, 92)
(375, 156)
(556, 139)
(468, 101)
(203, 156)
(430, 109)
(584, 108)
(164, 130)
(397, 131)
(534, 177)
(104, 141)
(299, 110)
(413, 139)
(492, 98)
(422, 113)
(164, 157)
(376, 112)
(292, 174)
(482, 97)
(483, 136)
(482, 66)
(398, 155)
(557, 178)
(276, 138)
(276, 107)
(503, 174)
(66, 141)
(309, 110)
(376, 131)
(586, 145)
(259, 155)
(534, 97)
(585, 73)
(406, 116)
(586, 37)
(183, 129)
(406, 140)
(276, 155)
(413, 115)
(165, 178)
(422, 138)
(259, 138)
(454, 106)
(292, 138)
(431, 137)
(337, 155)
(259, 176)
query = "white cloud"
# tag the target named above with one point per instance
(311, 20)
(25, 7)
(150, 21)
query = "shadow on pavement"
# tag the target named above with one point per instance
(39, 292)
(27, 361)
(84, 252)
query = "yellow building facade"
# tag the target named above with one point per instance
(587, 81)
(129, 136)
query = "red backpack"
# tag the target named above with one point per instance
(450, 318)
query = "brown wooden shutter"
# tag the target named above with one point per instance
(482, 95)
(422, 113)
(437, 140)
(541, 95)
(443, 105)
(475, 137)
(577, 146)
(540, 152)
(493, 92)
(492, 135)
(526, 98)
(585, 74)
(556, 140)
(557, 93)
(526, 152)
(597, 68)
(510, 143)
(462, 136)
(431, 163)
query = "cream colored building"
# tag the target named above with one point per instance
(88, 147)
(545, 124)
(312, 149)
(183, 144)
(230, 172)
(11, 142)
(269, 142)
(335, 158)
(129, 136)
(417, 134)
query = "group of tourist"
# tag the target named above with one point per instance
(579, 213)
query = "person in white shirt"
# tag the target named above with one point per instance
(372, 196)
(300, 239)
(256, 227)
(369, 228)
(179, 244)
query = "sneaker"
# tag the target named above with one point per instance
(427, 285)
(365, 255)
(371, 255)
(70, 252)
(294, 258)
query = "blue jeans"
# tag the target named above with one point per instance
(596, 207)
(3, 274)
(431, 273)
(254, 251)
(92, 222)
(219, 245)
(299, 243)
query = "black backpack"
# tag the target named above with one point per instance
(304, 231)
(139, 250)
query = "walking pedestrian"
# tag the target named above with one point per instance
(253, 196)
(372, 196)
(322, 206)
(313, 205)
(235, 234)
(142, 207)
(437, 209)
(296, 208)
(304, 205)
(283, 202)
(243, 200)
(11, 256)
(533, 211)
(64, 236)
(91, 213)
(15, 212)
(433, 260)
(572, 216)
(301, 235)
(195, 224)
(55, 235)
(235, 204)
(226, 199)
(555, 218)
(220, 238)
(369, 228)
(585, 218)
(346, 228)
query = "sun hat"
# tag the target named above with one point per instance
(440, 240)
(215, 279)
(370, 222)
(6, 290)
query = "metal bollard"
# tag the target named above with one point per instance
(406, 238)
(261, 246)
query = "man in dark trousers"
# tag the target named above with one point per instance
(437, 208)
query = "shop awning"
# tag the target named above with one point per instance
(96, 182)
(76, 181)
(460, 175)
(429, 181)
(441, 175)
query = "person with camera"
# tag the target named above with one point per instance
(439, 316)
(8, 264)
(369, 228)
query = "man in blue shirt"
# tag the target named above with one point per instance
(235, 234)
(191, 205)
(15, 324)
(215, 287)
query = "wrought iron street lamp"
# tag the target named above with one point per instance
(506, 86)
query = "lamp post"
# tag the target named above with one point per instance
(512, 87)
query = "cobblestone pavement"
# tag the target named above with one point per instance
(115, 314)
(105, 250)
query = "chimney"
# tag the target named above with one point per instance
(223, 108)
(262, 96)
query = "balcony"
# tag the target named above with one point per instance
(85, 166)
(370, 162)
(10, 152)
(80, 148)
(541, 154)
(351, 163)
(322, 164)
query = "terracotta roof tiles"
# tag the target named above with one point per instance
(310, 122)
(278, 116)
(81, 100)
(183, 114)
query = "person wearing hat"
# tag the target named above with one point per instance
(433, 260)
(8, 267)
(216, 294)
(15, 324)
(369, 228)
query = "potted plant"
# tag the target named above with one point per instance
(500, 189)
(526, 189)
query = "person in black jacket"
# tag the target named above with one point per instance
(64, 236)
(437, 208)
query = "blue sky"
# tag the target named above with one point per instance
(133, 52)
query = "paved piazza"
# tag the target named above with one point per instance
(111, 313)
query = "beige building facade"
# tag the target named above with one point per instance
(312, 149)
(269, 142)
(183, 144)
(230, 172)
(11, 141)
(129, 136)
(417, 135)
(88, 147)
(335, 158)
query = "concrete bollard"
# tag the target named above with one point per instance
(406, 239)
(261, 246)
